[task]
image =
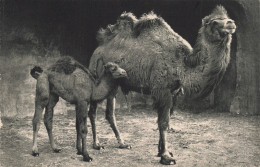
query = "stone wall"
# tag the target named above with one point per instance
(246, 96)
(21, 51)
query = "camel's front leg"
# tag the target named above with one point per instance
(110, 116)
(93, 116)
(163, 102)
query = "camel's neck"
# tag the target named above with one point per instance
(208, 64)
(106, 85)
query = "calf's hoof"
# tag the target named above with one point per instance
(125, 146)
(35, 154)
(98, 147)
(87, 158)
(167, 160)
(57, 150)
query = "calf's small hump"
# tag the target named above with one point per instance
(65, 65)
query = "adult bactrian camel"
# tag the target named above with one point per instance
(158, 62)
(71, 81)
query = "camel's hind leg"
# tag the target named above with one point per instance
(48, 119)
(82, 130)
(41, 101)
(36, 125)
(93, 116)
(110, 116)
(79, 140)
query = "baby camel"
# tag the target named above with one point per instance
(74, 83)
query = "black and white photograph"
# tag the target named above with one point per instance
(129, 83)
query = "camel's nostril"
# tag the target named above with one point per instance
(123, 73)
(229, 22)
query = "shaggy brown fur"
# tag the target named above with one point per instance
(158, 62)
(71, 81)
(126, 20)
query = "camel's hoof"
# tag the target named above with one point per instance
(57, 150)
(160, 154)
(35, 154)
(87, 158)
(166, 160)
(123, 146)
(98, 147)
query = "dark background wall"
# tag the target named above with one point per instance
(39, 31)
(72, 25)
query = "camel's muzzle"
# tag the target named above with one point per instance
(230, 26)
(123, 73)
(120, 73)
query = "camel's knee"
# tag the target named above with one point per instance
(37, 119)
(163, 119)
(92, 108)
(41, 102)
(48, 116)
(163, 125)
(36, 124)
(81, 125)
(92, 115)
(48, 122)
(84, 131)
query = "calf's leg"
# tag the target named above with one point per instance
(40, 103)
(48, 119)
(81, 116)
(79, 140)
(93, 116)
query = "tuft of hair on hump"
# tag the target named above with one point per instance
(148, 21)
(106, 34)
(218, 11)
(64, 65)
(128, 16)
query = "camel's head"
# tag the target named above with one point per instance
(218, 25)
(115, 70)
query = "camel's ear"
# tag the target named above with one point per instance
(105, 67)
(205, 21)
(100, 68)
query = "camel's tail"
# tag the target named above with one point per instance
(36, 71)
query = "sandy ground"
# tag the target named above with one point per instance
(205, 139)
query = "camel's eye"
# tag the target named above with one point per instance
(114, 69)
(214, 23)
